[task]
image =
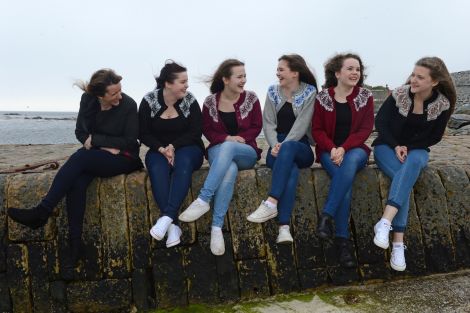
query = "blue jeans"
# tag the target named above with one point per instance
(225, 160)
(338, 201)
(170, 184)
(403, 176)
(76, 174)
(292, 156)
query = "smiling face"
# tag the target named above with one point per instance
(237, 80)
(178, 88)
(421, 80)
(112, 95)
(350, 73)
(285, 75)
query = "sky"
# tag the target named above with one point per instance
(47, 45)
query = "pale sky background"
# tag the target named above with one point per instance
(47, 44)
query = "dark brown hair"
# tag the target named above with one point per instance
(297, 64)
(224, 70)
(334, 65)
(168, 73)
(439, 73)
(99, 81)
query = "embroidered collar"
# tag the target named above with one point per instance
(298, 98)
(358, 97)
(403, 101)
(245, 104)
(156, 106)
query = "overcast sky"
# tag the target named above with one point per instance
(47, 44)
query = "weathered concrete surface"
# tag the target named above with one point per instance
(122, 259)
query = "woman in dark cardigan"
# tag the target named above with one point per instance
(107, 126)
(171, 126)
(410, 120)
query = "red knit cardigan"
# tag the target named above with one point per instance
(361, 104)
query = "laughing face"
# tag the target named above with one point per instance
(350, 73)
(237, 80)
(112, 95)
(179, 86)
(421, 80)
(285, 75)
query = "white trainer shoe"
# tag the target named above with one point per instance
(160, 228)
(382, 230)
(284, 235)
(194, 211)
(262, 213)
(397, 259)
(217, 241)
(174, 234)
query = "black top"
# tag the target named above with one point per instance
(117, 127)
(156, 132)
(230, 121)
(343, 122)
(285, 119)
(393, 129)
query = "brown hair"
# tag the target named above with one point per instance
(168, 73)
(334, 65)
(439, 73)
(223, 71)
(297, 64)
(99, 81)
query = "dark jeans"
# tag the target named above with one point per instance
(170, 184)
(293, 156)
(76, 174)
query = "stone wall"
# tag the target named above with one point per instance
(124, 268)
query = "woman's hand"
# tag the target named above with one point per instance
(401, 152)
(169, 153)
(111, 150)
(275, 150)
(337, 155)
(87, 144)
(235, 138)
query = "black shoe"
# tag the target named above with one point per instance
(325, 227)
(33, 218)
(345, 256)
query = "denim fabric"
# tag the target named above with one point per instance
(225, 160)
(338, 201)
(403, 176)
(76, 174)
(170, 184)
(292, 156)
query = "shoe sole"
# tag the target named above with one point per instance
(397, 268)
(173, 243)
(192, 219)
(381, 244)
(284, 242)
(324, 236)
(154, 235)
(261, 220)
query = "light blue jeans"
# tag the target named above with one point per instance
(225, 160)
(403, 176)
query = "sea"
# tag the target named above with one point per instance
(37, 127)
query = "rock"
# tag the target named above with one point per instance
(17, 275)
(463, 131)
(457, 121)
(142, 290)
(253, 278)
(3, 223)
(5, 302)
(464, 109)
(37, 260)
(227, 274)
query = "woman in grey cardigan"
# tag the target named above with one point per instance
(287, 127)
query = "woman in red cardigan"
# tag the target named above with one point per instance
(231, 122)
(342, 121)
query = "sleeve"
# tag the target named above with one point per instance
(145, 132)
(303, 120)
(384, 119)
(256, 123)
(130, 133)
(318, 129)
(194, 131)
(82, 126)
(437, 132)
(366, 124)
(270, 122)
(208, 130)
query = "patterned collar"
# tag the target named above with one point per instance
(403, 101)
(245, 107)
(359, 97)
(298, 98)
(156, 106)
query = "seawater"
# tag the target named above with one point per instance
(37, 127)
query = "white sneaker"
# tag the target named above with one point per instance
(217, 241)
(194, 211)
(160, 228)
(397, 259)
(262, 213)
(284, 235)
(174, 234)
(382, 230)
